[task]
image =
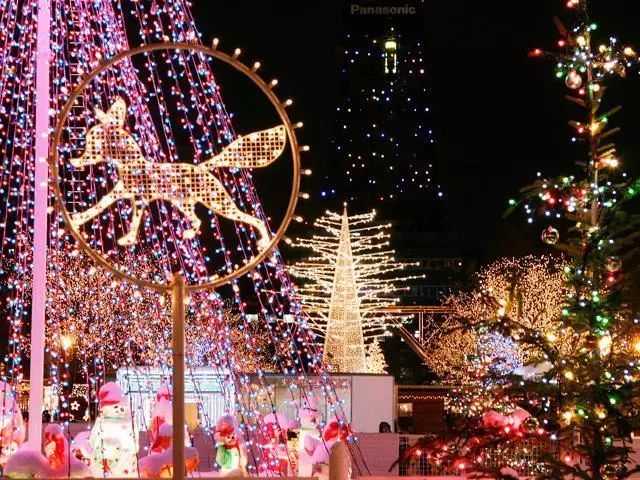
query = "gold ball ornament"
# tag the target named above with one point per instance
(609, 471)
(531, 424)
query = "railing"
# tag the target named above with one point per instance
(526, 459)
(382, 452)
(423, 330)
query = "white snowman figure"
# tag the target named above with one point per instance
(12, 429)
(309, 436)
(112, 437)
(160, 415)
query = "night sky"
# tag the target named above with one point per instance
(499, 116)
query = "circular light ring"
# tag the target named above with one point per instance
(264, 88)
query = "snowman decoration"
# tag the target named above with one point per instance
(275, 426)
(320, 450)
(55, 463)
(231, 455)
(12, 430)
(309, 436)
(160, 415)
(112, 437)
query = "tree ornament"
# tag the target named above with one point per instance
(573, 80)
(531, 424)
(550, 235)
(613, 264)
(451, 448)
(609, 471)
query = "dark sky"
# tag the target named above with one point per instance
(499, 116)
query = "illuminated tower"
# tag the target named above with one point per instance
(348, 282)
(383, 143)
(344, 340)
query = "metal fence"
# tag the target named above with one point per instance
(526, 459)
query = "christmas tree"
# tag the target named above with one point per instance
(579, 394)
(588, 393)
(528, 290)
(352, 278)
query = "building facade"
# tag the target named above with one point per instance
(383, 141)
(384, 145)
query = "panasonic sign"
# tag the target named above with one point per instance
(397, 10)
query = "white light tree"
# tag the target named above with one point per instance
(350, 280)
(529, 290)
(376, 363)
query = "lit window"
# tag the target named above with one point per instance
(405, 409)
(390, 56)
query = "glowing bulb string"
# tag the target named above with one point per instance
(180, 257)
(16, 119)
(173, 17)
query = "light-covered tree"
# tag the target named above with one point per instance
(376, 363)
(350, 279)
(530, 290)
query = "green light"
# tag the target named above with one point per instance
(593, 26)
(512, 201)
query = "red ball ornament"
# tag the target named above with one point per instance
(550, 235)
(613, 264)
(573, 80)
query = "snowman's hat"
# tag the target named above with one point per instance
(226, 425)
(164, 392)
(110, 394)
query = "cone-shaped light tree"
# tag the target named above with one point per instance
(351, 278)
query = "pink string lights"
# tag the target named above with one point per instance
(171, 85)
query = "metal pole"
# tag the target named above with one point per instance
(39, 285)
(177, 304)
